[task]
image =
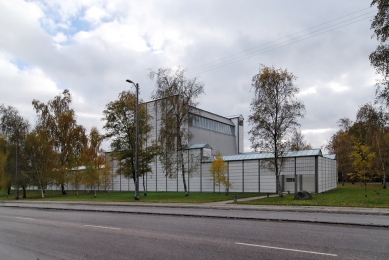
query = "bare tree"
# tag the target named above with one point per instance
(178, 96)
(275, 110)
(297, 142)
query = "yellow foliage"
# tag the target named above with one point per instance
(362, 159)
(218, 172)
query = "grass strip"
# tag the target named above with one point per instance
(350, 195)
(103, 196)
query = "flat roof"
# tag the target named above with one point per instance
(330, 156)
(256, 156)
(198, 146)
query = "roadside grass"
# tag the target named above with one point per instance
(103, 196)
(350, 195)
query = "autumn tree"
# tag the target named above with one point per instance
(297, 142)
(379, 59)
(41, 159)
(275, 110)
(93, 159)
(68, 138)
(14, 129)
(178, 96)
(372, 123)
(341, 144)
(218, 172)
(120, 124)
(106, 176)
(362, 159)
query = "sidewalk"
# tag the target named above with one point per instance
(376, 217)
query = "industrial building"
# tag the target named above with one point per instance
(248, 172)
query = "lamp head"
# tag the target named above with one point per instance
(129, 81)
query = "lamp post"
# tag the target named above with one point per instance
(136, 196)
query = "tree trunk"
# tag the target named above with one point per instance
(24, 192)
(9, 191)
(16, 192)
(144, 186)
(136, 196)
(183, 170)
(279, 188)
(95, 192)
(278, 183)
(43, 192)
(63, 189)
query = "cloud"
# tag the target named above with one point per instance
(92, 46)
(20, 86)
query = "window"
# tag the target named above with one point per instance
(213, 125)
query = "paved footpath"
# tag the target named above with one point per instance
(376, 217)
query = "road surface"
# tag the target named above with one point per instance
(54, 234)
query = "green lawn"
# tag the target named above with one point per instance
(344, 196)
(159, 197)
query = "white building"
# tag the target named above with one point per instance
(303, 170)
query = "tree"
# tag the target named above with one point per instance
(341, 145)
(362, 159)
(94, 160)
(106, 176)
(15, 128)
(275, 110)
(119, 117)
(41, 159)
(4, 180)
(373, 121)
(68, 138)
(379, 59)
(178, 96)
(218, 172)
(297, 142)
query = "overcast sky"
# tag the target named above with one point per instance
(92, 46)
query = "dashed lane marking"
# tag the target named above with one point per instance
(287, 249)
(102, 227)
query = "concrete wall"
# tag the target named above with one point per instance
(223, 143)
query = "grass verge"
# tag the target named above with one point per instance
(102, 196)
(350, 195)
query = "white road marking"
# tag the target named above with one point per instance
(287, 249)
(102, 227)
(25, 218)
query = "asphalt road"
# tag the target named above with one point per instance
(54, 234)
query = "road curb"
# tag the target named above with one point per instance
(230, 206)
(202, 215)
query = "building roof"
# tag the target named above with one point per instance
(198, 146)
(212, 116)
(204, 113)
(330, 156)
(256, 156)
(236, 116)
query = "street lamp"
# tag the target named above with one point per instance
(136, 197)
